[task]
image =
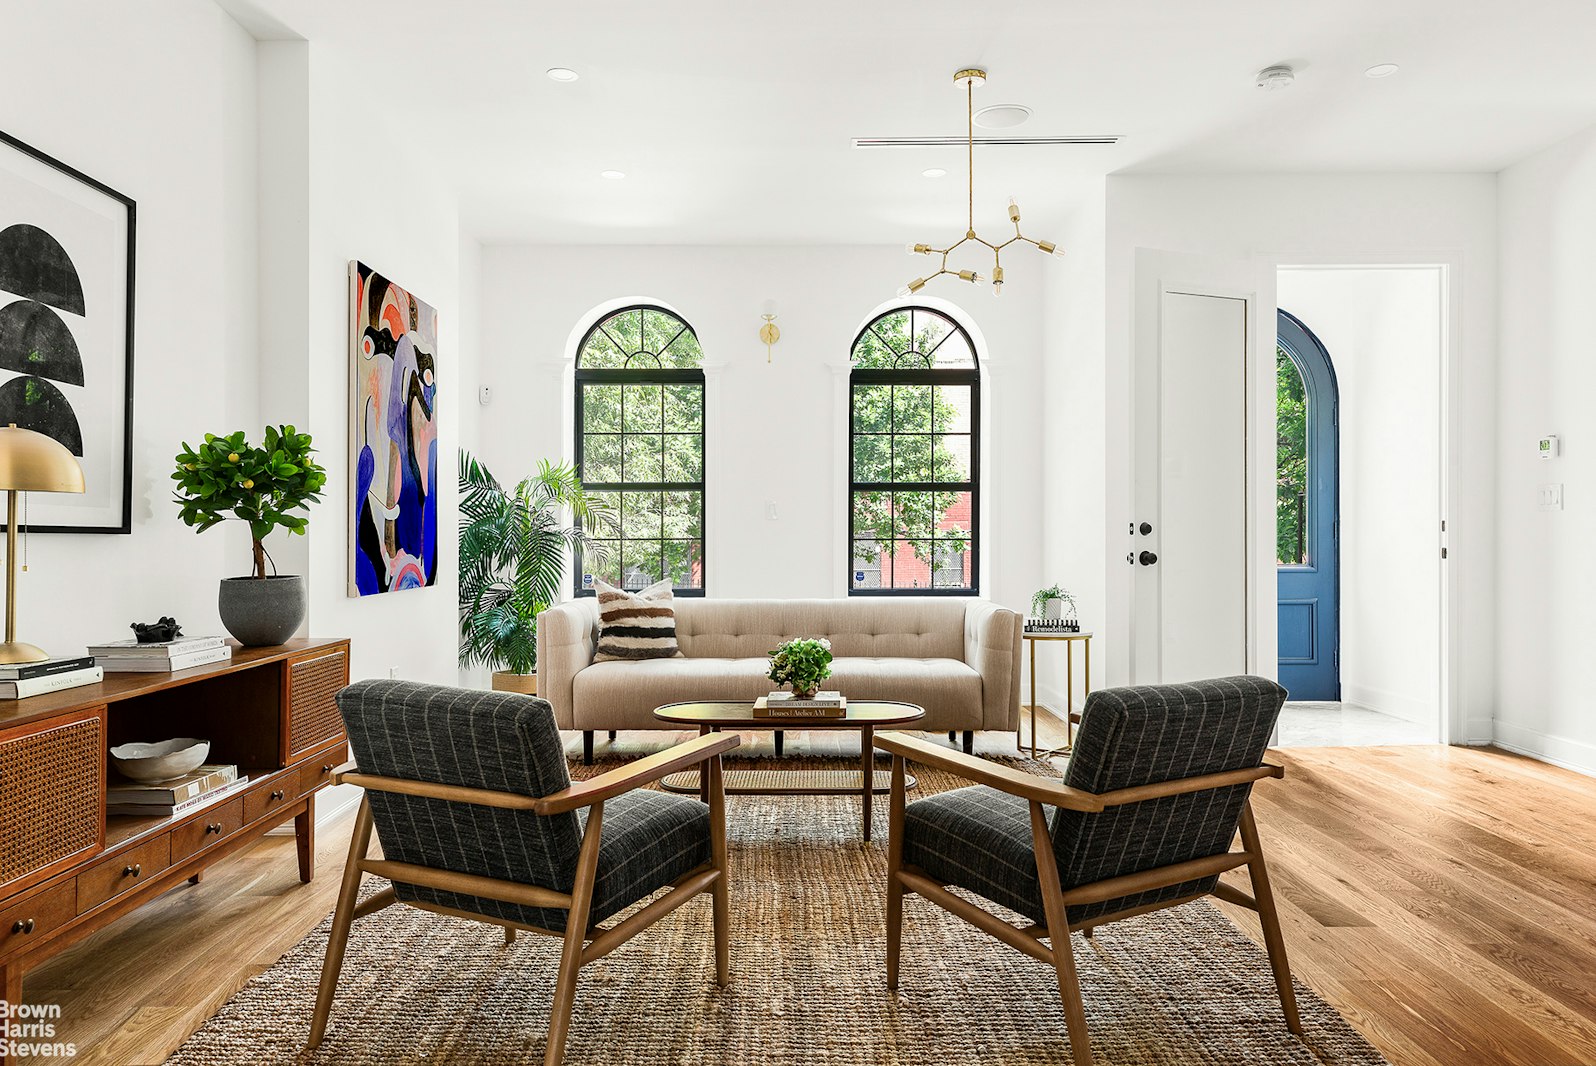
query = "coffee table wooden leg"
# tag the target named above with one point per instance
(703, 777)
(867, 739)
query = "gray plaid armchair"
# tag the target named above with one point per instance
(478, 818)
(1157, 788)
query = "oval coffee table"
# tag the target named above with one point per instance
(862, 716)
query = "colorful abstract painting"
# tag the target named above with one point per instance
(393, 436)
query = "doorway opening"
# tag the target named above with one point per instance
(1358, 505)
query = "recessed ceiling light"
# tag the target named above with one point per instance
(1002, 116)
(1381, 70)
(562, 74)
(613, 175)
(1273, 79)
(934, 172)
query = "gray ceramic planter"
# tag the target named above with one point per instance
(262, 611)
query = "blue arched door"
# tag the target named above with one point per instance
(1307, 514)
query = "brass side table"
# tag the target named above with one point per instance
(1084, 638)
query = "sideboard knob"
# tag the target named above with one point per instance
(327, 769)
(214, 827)
(277, 794)
(24, 925)
(134, 870)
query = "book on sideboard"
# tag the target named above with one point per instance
(38, 686)
(164, 664)
(206, 779)
(163, 649)
(172, 810)
(25, 671)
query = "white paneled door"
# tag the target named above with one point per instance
(1193, 536)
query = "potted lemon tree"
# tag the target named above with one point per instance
(513, 546)
(227, 478)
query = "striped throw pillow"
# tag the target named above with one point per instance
(636, 625)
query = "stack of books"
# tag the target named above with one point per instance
(204, 786)
(21, 680)
(163, 656)
(786, 705)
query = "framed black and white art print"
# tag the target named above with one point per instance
(66, 331)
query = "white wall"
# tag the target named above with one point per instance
(1545, 629)
(1383, 330)
(1321, 219)
(374, 197)
(163, 110)
(776, 431)
(1074, 420)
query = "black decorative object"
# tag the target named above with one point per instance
(157, 632)
(66, 329)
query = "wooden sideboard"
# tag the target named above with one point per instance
(67, 870)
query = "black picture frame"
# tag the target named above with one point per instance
(128, 204)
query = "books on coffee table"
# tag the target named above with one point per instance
(786, 705)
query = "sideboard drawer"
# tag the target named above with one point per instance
(26, 921)
(212, 825)
(52, 784)
(318, 771)
(109, 878)
(313, 717)
(274, 792)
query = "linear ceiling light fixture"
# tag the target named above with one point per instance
(970, 79)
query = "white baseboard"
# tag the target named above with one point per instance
(1396, 704)
(1570, 754)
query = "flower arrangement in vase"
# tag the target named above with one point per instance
(803, 664)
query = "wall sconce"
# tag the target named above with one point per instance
(770, 333)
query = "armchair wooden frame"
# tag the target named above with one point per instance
(582, 943)
(1043, 792)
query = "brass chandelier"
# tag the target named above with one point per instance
(970, 78)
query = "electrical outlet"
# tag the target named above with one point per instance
(1551, 497)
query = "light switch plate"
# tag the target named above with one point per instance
(1551, 497)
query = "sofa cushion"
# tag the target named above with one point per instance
(636, 625)
(911, 627)
(616, 694)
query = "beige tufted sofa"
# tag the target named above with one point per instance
(957, 658)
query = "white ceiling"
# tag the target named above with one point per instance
(733, 119)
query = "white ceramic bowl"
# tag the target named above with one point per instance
(149, 763)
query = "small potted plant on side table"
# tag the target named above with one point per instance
(229, 478)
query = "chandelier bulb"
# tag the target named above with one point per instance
(970, 276)
(917, 249)
(1014, 210)
(1049, 248)
(913, 287)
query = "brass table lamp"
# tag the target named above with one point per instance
(29, 462)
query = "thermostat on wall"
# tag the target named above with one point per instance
(1548, 446)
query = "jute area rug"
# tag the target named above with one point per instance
(1182, 986)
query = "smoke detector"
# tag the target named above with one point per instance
(1273, 79)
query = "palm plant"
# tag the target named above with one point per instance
(513, 546)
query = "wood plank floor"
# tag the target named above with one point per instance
(1443, 899)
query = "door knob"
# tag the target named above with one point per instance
(1146, 528)
(1147, 558)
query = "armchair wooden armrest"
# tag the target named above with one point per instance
(623, 779)
(1003, 778)
(1050, 792)
(581, 794)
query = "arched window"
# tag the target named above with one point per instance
(640, 445)
(914, 452)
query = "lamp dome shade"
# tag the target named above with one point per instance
(33, 462)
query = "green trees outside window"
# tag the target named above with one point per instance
(640, 447)
(915, 441)
(1291, 462)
